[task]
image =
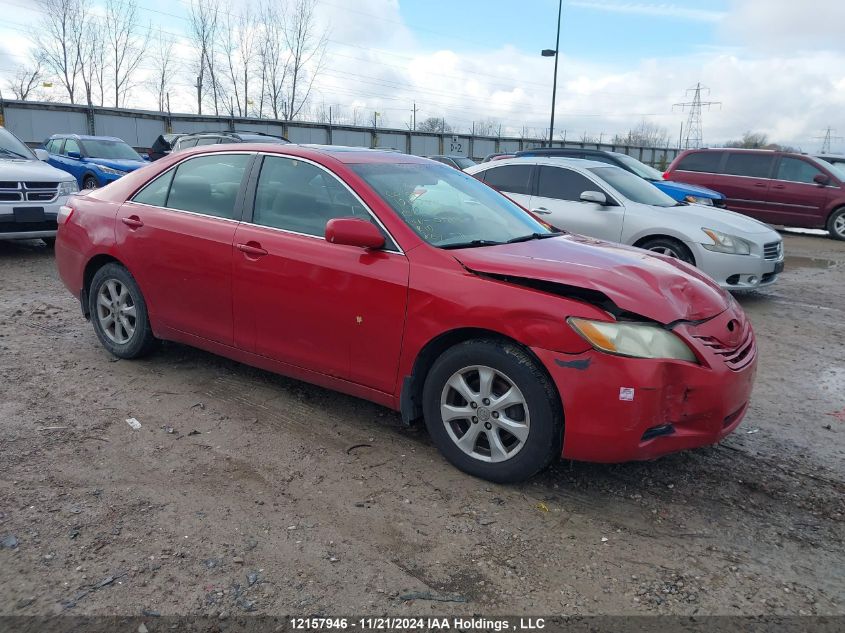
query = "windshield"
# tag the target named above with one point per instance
(641, 169)
(12, 147)
(446, 207)
(633, 187)
(463, 163)
(110, 149)
(837, 169)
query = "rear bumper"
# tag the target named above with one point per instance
(620, 409)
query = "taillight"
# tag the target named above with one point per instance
(64, 214)
(665, 175)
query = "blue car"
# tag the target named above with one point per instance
(680, 191)
(93, 160)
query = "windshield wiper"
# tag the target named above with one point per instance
(533, 236)
(8, 151)
(472, 244)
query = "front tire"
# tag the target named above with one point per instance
(90, 182)
(669, 247)
(836, 224)
(492, 411)
(119, 313)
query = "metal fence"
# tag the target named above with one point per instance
(34, 122)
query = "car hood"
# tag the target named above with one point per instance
(719, 220)
(123, 164)
(685, 189)
(659, 288)
(31, 170)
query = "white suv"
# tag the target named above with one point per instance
(31, 191)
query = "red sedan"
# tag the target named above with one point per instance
(411, 284)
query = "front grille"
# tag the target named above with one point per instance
(29, 191)
(772, 250)
(737, 357)
(26, 227)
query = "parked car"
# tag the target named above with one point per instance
(163, 145)
(680, 191)
(94, 161)
(499, 156)
(474, 316)
(837, 160)
(783, 188)
(609, 203)
(31, 191)
(186, 141)
(458, 162)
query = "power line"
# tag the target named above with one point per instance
(695, 136)
(826, 139)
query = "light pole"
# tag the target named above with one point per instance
(548, 52)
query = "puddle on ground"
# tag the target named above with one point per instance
(808, 262)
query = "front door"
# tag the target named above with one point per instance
(334, 309)
(745, 183)
(794, 197)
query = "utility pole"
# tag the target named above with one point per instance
(414, 117)
(695, 137)
(826, 139)
(556, 54)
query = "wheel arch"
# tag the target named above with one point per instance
(91, 267)
(664, 236)
(410, 399)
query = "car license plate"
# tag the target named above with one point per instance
(778, 267)
(29, 214)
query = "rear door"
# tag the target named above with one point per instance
(559, 201)
(176, 235)
(335, 309)
(512, 180)
(699, 168)
(794, 197)
(745, 181)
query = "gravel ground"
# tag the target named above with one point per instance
(246, 492)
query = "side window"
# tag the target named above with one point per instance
(563, 184)
(797, 170)
(71, 146)
(707, 162)
(208, 184)
(185, 143)
(155, 193)
(509, 178)
(208, 140)
(748, 164)
(297, 196)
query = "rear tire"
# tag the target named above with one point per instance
(119, 313)
(510, 424)
(669, 247)
(836, 224)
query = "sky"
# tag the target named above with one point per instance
(773, 66)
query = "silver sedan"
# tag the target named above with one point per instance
(606, 202)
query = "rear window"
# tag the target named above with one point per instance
(509, 178)
(750, 165)
(701, 161)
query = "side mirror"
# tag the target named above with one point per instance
(594, 196)
(76, 155)
(354, 232)
(146, 157)
(41, 154)
(821, 179)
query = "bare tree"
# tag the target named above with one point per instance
(25, 80)
(204, 31)
(126, 43)
(644, 135)
(487, 127)
(434, 124)
(758, 140)
(240, 43)
(273, 57)
(164, 68)
(59, 36)
(307, 49)
(91, 47)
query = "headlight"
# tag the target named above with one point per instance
(725, 243)
(640, 340)
(109, 170)
(696, 200)
(68, 187)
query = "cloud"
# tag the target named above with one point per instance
(780, 27)
(657, 10)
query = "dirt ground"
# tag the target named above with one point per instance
(246, 492)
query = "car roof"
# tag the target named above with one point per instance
(341, 153)
(580, 163)
(87, 137)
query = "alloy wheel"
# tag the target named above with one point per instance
(839, 225)
(485, 413)
(667, 251)
(116, 311)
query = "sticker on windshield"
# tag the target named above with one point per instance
(626, 393)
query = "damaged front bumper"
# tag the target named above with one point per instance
(619, 409)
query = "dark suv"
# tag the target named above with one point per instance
(680, 191)
(185, 141)
(782, 188)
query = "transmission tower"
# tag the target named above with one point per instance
(826, 139)
(694, 136)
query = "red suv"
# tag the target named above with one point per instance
(775, 187)
(414, 285)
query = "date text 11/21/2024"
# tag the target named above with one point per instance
(412, 623)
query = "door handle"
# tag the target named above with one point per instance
(252, 249)
(541, 211)
(133, 222)
(759, 184)
(778, 186)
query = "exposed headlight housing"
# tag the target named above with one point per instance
(708, 202)
(724, 243)
(110, 170)
(67, 187)
(638, 340)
